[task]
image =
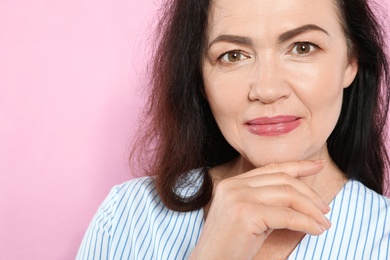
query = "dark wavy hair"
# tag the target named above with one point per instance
(180, 133)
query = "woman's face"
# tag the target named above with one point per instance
(274, 73)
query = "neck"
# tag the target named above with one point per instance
(328, 182)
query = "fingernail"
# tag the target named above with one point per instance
(322, 228)
(328, 223)
(328, 209)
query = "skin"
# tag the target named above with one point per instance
(266, 58)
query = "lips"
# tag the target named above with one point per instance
(273, 126)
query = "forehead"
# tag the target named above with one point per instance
(266, 17)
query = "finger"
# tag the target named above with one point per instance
(288, 196)
(294, 169)
(281, 178)
(286, 218)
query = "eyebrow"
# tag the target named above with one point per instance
(233, 39)
(242, 40)
(297, 31)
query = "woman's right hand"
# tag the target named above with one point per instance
(246, 208)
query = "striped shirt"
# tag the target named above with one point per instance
(133, 223)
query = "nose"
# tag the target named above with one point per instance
(268, 82)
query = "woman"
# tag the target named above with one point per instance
(262, 114)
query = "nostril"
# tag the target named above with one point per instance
(268, 93)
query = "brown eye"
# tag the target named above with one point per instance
(234, 56)
(303, 48)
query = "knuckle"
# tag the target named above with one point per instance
(309, 225)
(240, 210)
(224, 186)
(288, 190)
(284, 177)
(289, 215)
(273, 166)
(243, 209)
(227, 191)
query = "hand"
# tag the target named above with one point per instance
(246, 208)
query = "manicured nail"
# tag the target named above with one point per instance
(322, 228)
(326, 206)
(330, 223)
(327, 221)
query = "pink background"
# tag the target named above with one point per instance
(71, 78)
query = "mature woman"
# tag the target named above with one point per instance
(265, 138)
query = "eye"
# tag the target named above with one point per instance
(302, 48)
(233, 56)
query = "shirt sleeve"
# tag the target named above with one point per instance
(96, 242)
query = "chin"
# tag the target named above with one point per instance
(260, 162)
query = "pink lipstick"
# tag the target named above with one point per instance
(272, 126)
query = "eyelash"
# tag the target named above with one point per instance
(313, 47)
(240, 52)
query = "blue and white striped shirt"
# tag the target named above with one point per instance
(133, 223)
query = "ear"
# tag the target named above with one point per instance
(350, 71)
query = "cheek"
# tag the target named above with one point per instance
(318, 85)
(322, 95)
(227, 96)
(319, 88)
(223, 105)
(227, 93)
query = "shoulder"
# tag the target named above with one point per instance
(365, 197)
(131, 199)
(144, 188)
(144, 228)
(141, 192)
(361, 218)
(112, 218)
(140, 188)
(134, 223)
(124, 202)
(363, 204)
(360, 227)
